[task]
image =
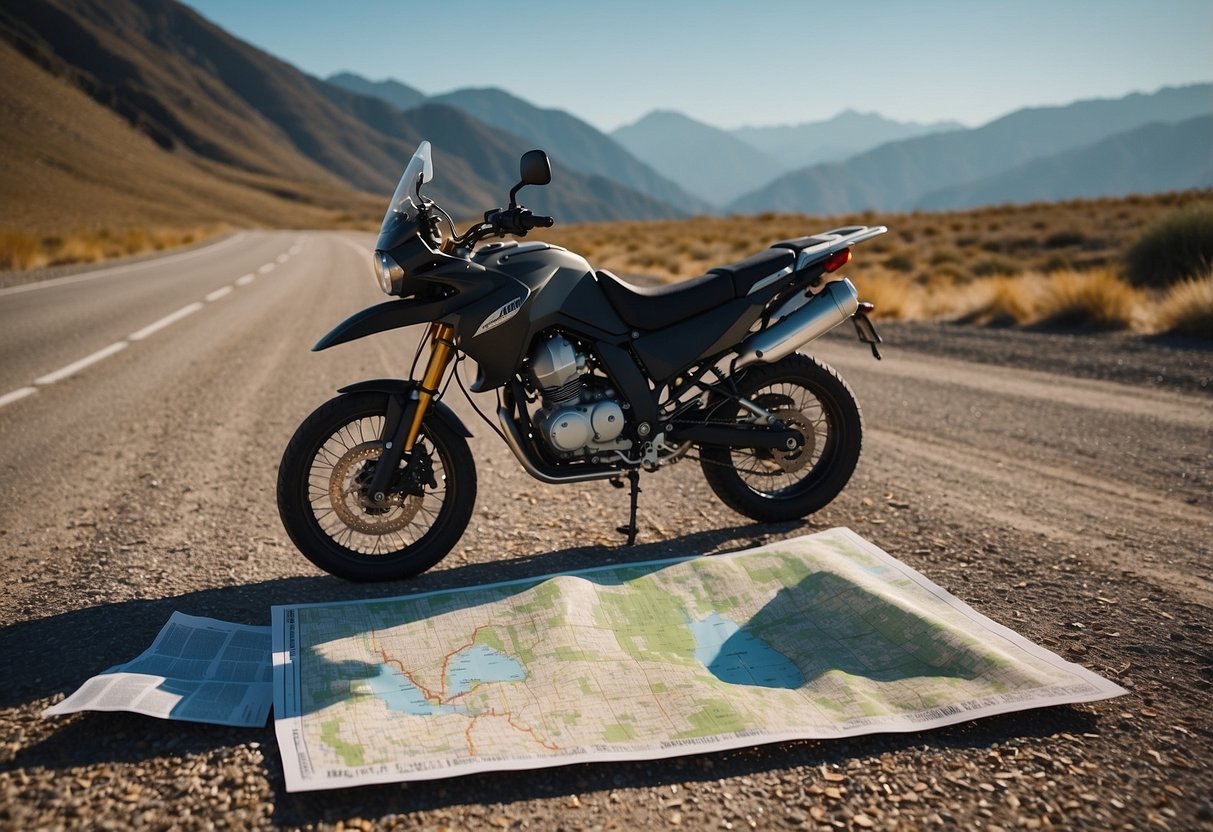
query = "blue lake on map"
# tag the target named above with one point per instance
(476, 664)
(402, 695)
(481, 663)
(740, 658)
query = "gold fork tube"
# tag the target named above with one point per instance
(442, 349)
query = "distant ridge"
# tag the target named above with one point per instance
(1157, 157)
(402, 96)
(710, 163)
(896, 176)
(846, 134)
(572, 144)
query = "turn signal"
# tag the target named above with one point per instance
(837, 260)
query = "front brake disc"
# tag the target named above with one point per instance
(347, 494)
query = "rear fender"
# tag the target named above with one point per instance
(406, 388)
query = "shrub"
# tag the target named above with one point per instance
(1175, 247)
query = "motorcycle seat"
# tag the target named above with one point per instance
(657, 307)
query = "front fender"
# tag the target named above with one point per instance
(384, 316)
(406, 388)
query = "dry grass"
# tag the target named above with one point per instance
(1187, 308)
(1052, 264)
(21, 251)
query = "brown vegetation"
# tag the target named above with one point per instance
(1052, 264)
(21, 250)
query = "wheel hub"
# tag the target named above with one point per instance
(348, 495)
(793, 461)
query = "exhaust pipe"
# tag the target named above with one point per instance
(836, 302)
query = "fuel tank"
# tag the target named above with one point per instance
(536, 286)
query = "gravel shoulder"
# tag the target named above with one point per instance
(1063, 497)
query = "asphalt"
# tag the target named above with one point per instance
(138, 479)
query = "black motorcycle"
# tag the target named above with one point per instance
(596, 379)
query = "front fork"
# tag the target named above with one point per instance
(403, 423)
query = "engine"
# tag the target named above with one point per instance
(580, 412)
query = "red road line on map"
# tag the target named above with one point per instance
(442, 699)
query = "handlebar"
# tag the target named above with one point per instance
(517, 220)
(501, 221)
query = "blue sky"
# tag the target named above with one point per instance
(758, 62)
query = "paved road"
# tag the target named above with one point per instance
(144, 410)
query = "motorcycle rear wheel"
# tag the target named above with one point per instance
(324, 507)
(771, 486)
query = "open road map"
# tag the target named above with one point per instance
(817, 637)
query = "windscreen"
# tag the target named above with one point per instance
(404, 200)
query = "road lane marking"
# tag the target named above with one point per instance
(138, 335)
(159, 261)
(172, 318)
(77, 366)
(17, 395)
(296, 248)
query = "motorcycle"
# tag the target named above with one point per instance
(596, 379)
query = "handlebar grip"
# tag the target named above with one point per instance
(541, 222)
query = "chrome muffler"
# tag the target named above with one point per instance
(836, 302)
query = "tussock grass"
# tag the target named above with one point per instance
(1187, 308)
(1097, 298)
(21, 251)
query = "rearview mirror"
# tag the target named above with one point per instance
(534, 169)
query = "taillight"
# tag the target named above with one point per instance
(837, 260)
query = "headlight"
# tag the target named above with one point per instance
(388, 273)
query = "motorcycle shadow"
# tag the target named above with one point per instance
(57, 653)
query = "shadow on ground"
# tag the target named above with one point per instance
(55, 654)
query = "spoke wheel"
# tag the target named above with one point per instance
(773, 485)
(324, 503)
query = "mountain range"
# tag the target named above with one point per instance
(129, 111)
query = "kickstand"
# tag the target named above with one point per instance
(630, 528)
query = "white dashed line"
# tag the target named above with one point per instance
(139, 335)
(77, 366)
(17, 395)
(153, 328)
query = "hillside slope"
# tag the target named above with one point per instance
(71, 164)
(241, 114)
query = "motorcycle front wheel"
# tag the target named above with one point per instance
(323, 501)
(773, 486)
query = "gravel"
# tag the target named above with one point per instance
(179, 515)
